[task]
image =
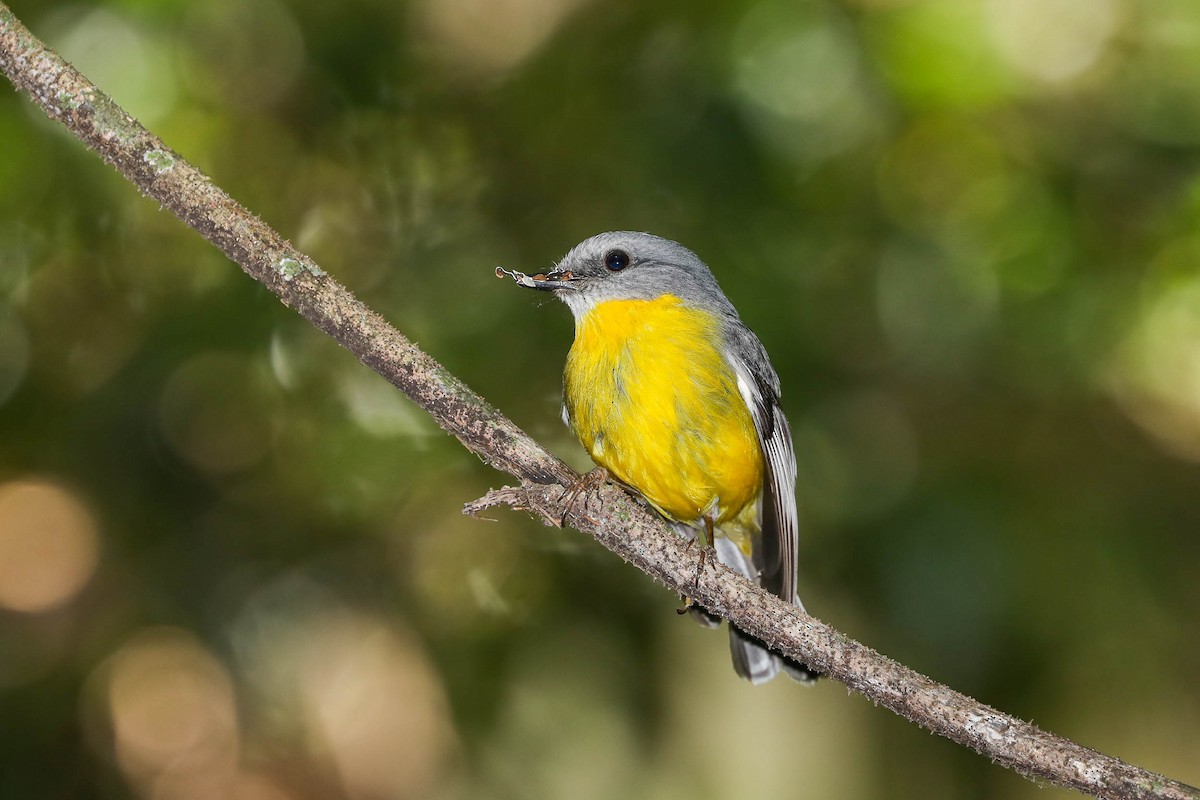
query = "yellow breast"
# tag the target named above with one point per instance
(653, 400)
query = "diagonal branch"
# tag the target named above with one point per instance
(607, 513)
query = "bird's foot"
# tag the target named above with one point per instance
(590, 480)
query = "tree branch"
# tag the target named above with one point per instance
(616, 520)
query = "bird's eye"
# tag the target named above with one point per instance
(616, 260)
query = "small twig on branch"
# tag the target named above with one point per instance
(607, 513)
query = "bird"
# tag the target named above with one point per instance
(674, 396)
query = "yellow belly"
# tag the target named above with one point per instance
(653, 401)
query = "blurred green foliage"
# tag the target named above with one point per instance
(966, 231)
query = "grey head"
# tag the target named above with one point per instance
(626, 265)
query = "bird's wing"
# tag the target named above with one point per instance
(759, 388)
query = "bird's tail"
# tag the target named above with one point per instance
(751, 660)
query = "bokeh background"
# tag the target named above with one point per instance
(232, 560)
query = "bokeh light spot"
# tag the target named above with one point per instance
(82, 332)
(1154, 91)
(936, 53)
(49, 546)
(942, 174)
(468, 587)
(952, 180)
(118, 56)
(376, 706)
(173, 715)
(216, 412)
(380, 409)
(248, 53)
(1156, 372)
(480, 38)
(1052, 40)
(358, 692)
(798, 75)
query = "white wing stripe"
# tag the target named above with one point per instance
(780, 479)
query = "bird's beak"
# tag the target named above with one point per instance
(547, 282)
